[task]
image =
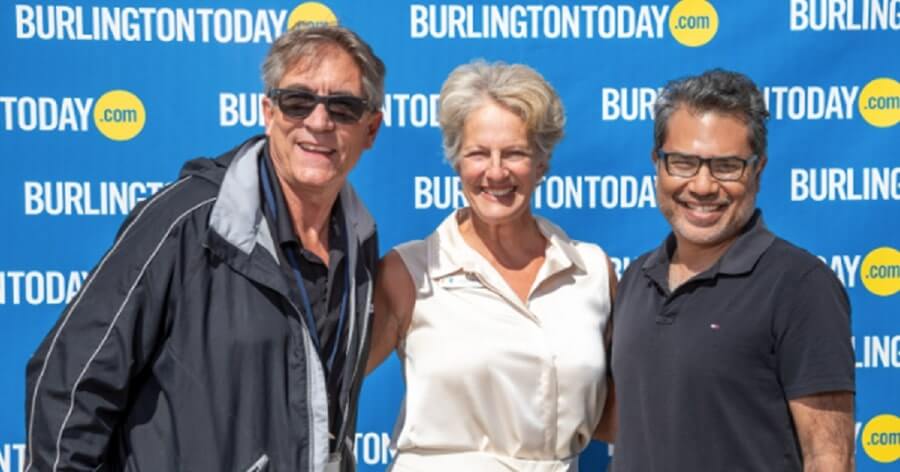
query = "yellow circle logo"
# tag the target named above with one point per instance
(693, 22)
(879, 102)
(881, 438)
(312, 14)
(880, 271)
(119, 115)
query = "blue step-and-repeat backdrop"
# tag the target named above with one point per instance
(102, 100)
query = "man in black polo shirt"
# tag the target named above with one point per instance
(731, 347)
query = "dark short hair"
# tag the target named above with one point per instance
(716, 90)
(303, 41)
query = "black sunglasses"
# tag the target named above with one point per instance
(345, 109)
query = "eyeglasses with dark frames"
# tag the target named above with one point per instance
(296, 103)
(728, 168)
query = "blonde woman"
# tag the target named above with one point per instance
(498, 317)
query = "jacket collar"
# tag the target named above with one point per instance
(237, 214)
(450, 254)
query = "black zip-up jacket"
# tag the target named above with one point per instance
(183, 350)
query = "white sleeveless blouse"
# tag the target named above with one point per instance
(494, 384)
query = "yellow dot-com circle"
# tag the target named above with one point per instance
(119, 115)
(881, 438)
(693, 22)
(312, 14)
(879, 102)
(880, 271)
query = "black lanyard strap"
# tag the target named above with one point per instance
(291, 253)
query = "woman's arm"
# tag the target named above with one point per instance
(606, 430)
(394, 299)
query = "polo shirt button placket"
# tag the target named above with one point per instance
(669, 312)
(665, 319)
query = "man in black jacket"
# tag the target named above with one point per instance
(227, 328)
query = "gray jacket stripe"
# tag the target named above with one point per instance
(74, 305)
(318, 404)
(112, 324)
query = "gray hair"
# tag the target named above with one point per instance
(516, 87)
(716, 90)
(306, 42)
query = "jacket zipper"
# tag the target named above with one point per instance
(362, 336)
(309, 413)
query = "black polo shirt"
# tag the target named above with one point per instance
(703, 374)
(324, 284)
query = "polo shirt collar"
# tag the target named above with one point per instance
(450, 254)
(742, 256)
(738, 259)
